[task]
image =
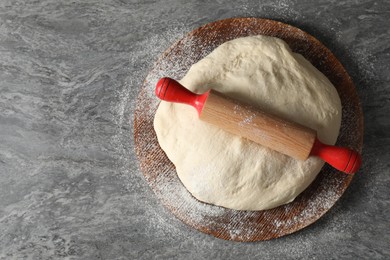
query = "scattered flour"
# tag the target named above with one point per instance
(227, 224)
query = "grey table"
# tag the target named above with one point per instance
(70, 184)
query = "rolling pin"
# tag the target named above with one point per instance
(281, 135)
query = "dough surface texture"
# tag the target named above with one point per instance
(226, 170)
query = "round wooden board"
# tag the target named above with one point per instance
(220, 222)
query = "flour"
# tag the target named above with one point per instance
(247, 116)
(319, 204)
(183, 205)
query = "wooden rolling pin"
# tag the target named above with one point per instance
(284, 136)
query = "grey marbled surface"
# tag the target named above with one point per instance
(70, 184)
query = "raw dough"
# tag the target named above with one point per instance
(229, 171)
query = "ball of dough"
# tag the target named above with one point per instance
(226, 170)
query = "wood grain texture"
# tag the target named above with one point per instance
(224, 223)
(263, 128)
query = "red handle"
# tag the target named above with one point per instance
(168, 89)
(341, 158)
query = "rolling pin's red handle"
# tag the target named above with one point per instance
(168, 89)
(341, 158)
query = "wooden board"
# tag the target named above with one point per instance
(220, 222)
